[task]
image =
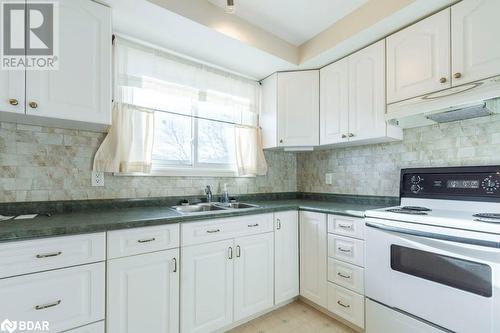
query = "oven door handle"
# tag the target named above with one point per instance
(432, 235)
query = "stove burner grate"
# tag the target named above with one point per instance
(406, 211)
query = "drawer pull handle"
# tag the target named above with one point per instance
(175, 265)
(146, 240)
(278, 224)
(230, 253)
(48, 255)
(343, 305)
(213, 231)
(46, 306)
(343, 276)
(238, 251)
(344, 250)
(345, 226)
(253, 225)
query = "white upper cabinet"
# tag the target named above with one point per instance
(286, 256)
(418, 58)
(290, 109)
(475, 42)
(80, 90)
(298, 108)
(12, 91)
(367, 93)
(334, 104)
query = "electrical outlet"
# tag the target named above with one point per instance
(329, 179)
(97, 178)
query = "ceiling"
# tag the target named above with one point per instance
(295, 21)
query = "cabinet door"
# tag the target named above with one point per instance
(253, 275)
(475, 46)
(143, 293)
(286, 256)
(313, 257)
(298, 108)
(269, 112)
(207, 286)
(334, 106)
(12, 91)
(367, 93)
(418, 58)
(80, 90)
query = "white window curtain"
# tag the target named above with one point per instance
(149, 80)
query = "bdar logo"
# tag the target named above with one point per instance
(8, 326)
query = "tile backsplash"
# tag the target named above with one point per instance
(375, 169)
(41, 163)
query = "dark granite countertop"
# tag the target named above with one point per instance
(104, 219)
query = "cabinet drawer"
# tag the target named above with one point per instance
(92, 328)
(346, 249)
(66, 298)
(346, 304)
(219, 229)
(17, 258)
(123, 243)
(346, 275)
(346, 226)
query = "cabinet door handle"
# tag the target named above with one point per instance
(457, 75)
(344, 136)
(46, 306)
(344, 250)
(442, 80)
(278, 224)
(238, 251)
(343, 305)
(33, 105)
(230, 253)
(13, 101)
(213, 231)
(175, 265)
(345, 226)
(281, 140)
(48, 255)
(253, 225)
(343, 276)
(351, 135)
(146, 240)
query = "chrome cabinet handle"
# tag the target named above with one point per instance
(351, 135)
(278, 224)
(13, 102)
(345, 226)
(343, 276)
(253, 225)
(175, 265)
(343, 250)
(48, 255)
(230, 253)
(457, 75)
(46, 306)
(281, 140)
(33, 105)
(343, 305)
(146, 240)
(213, 231)
(238, 251)
(442, 80)
(344, 136)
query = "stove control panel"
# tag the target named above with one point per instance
(451, 183)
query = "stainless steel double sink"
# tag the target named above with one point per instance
(210, 207)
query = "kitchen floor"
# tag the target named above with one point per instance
(296, 317)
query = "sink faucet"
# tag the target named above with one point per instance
(208, 192)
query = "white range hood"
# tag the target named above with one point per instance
(467, 101)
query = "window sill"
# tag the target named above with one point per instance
(182, 172)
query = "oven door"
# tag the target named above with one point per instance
(450, 283)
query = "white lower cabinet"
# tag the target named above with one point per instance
(143, 293)
(207, 286)
(313, 257)
(98, 327)
(66, 298)
(286, 256)
(253, 275)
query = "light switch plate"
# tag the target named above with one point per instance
(329, 179)
(97, 178)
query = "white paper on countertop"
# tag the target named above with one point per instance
(25, 217)
(5, 218)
